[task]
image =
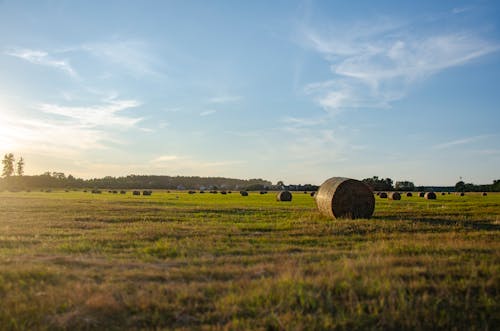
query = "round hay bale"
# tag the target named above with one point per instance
(409, 194)
(244, 193)
(394, 196)
(136, 192)
(223, 192)
(313, 194)
(123, 192)
(284, 196)
(485, 194)
(421, 194)
(191, 192)
(460, 193)
(383, 195)
(344, 197)
(442, 193)
(430, 196)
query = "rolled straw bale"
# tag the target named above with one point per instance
(136, 192)
(485, 194)
(244, 193)
(313, 194)
(383, 195)
(421, 194)
(345, 197)
(409, 194)
(430, 196)
(284, 196)
(394, 196)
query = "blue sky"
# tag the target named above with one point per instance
(298, 91)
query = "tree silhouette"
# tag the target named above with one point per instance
(8, 165)
(20, 167)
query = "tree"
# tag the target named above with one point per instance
(20, 167)
(404, 186)
(460, 186)
(8, 165)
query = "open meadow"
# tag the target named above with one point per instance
(80, 261)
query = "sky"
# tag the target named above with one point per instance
(292, 91)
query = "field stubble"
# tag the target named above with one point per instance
(74, 261)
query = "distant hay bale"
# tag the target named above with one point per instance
(305, 192)
(115, 192)
(383, 195)
(284, 196)
(191, 192)
(136, 192)
(123, 192)
(244, 193)
(96, 191)
(485, 194)
(313, 194)
(223, 192)
(345, 197)
(421, 194)
(430, 196)
(460, 193)
(409, 194)
(378, 193)
(442, 193)
(147, 192)
(394, 196)
(201, 191)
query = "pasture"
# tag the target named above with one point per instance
(80, 261)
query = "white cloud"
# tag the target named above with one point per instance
(42, 58)
(208, 112)
(376, 66)
(462, 141)
(102, 115)
(224, 99)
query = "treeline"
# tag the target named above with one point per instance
(386, 184)
(57, 180)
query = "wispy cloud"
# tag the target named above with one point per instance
(106, 114)
(42, 58)
(462, 141)
(372, 67)
(208, 112)
(135, 56)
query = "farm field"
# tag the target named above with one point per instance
(80, 261)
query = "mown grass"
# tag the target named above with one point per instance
(78, 261)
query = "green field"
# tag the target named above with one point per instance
(74, 260)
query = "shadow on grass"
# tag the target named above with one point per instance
(475, 225)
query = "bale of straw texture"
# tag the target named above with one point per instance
(421, 194)
(485, 194)
(284, 196)
(345, 197)
(383, 195)
(244, 193)
(409, 194)
(394, 196)
(430, 196)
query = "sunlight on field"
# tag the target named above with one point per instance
(73, 260)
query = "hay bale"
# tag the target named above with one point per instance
(146, 192)
(442, 193)
(284, 196)
(191, 192)
(123, 192)
(421, 194)
(383, 195)
(409, 194)
(313, 194)
(485, 194)
(244, 193)
(344, 197)
(430, 196)
(136, 192)
(394, 196)
(223, 192)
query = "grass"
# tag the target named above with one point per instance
(78, 261)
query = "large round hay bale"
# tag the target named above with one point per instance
(421, 194)
(409, 194)
(383, 195)
(394, 196)
(284, 196)
(430, 196)
(345, 197)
